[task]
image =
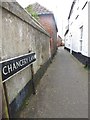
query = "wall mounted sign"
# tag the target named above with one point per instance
(14, 65)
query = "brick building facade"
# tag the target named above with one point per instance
(47, 20)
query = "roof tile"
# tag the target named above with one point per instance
(40, 9)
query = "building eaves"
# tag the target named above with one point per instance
(73, 3)
(55, 23)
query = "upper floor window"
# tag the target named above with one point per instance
(77, 16)
(77, 8)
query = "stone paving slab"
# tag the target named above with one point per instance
(62, 92)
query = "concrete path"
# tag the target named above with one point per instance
(62, 92)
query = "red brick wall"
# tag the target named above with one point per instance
(48, 23)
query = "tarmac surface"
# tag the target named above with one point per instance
(62, 91)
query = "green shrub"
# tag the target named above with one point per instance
(33, 13)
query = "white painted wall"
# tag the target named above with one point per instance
(67, 41)
(74, 28)
(88, 29)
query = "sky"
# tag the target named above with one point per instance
(60, 8)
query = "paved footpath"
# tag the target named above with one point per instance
(62, 92)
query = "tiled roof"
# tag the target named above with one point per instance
(40, 9)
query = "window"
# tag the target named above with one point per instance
(81, 32)
(77, 8)
(80, 45)
(81, 37)
(77, 16)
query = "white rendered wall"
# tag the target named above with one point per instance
(74, 28)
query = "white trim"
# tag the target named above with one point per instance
(16, 57)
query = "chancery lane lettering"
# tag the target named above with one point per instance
(14, 65)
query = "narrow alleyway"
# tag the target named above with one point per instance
(62, 92)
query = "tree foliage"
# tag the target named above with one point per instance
(33, 13)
